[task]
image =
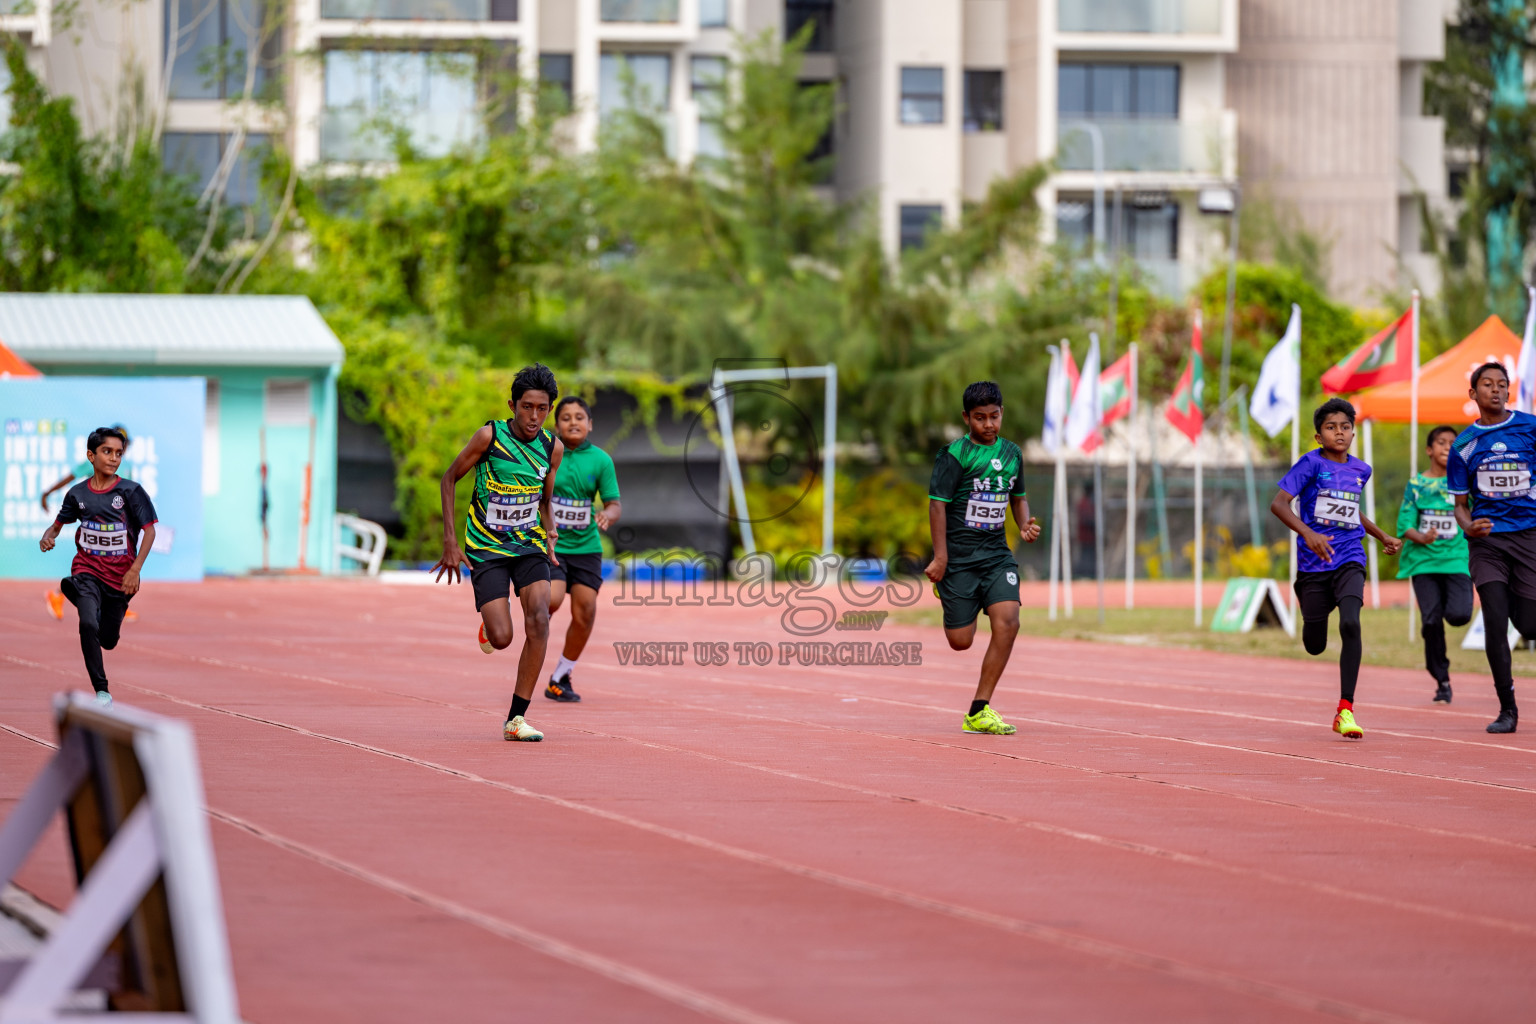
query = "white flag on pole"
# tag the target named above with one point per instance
(1058, 398)
(1525, 372)
(1277, 396)
(1087, 411)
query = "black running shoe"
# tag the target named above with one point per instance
(1443, 693)
(1506, 722)
(560, 689)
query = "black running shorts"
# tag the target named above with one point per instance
(496, 578)
(1319, 593)
(586, 570)
(966, 593)
(1508, 558)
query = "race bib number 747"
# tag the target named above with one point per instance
(1337, 507)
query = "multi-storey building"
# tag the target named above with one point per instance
(1144, 105)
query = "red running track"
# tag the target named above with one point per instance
(1169, 837)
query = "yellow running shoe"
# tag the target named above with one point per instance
(485, 645)
(518, 729)
(1344, 725)
(986, 720)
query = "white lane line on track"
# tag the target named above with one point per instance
(634, 977)
(1352, 817)
(1123, 955)
(1122, 845)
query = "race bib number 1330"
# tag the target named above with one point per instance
(986, 511)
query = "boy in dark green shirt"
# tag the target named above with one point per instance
(1435, 558)
(976, 480)
(586, 470)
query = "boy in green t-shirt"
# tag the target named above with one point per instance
(1435, 558)
(585, 471)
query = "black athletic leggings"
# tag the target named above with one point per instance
(1500, 607)
(1443, 598)
(1314, 637)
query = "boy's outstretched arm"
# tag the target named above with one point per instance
(1280, 506)
(453, 558)
(1392, 544)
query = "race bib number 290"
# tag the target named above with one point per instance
(1443, 523)
(506, 512)
(986, 511)
(1503, 479)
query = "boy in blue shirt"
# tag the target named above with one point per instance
(1489, 475)
(1330, 532)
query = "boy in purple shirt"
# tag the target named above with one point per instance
(1330, 532)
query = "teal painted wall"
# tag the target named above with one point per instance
(232, 540)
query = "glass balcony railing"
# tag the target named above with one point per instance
(1193, 146)
(1159, 17)
(658, 12)
(419, 10)
(357, 136)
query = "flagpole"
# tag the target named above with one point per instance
(1413, 441)
(1066, 530)
(1370, 512)
(1199, 534)
(1130, 489)
(1055, 519)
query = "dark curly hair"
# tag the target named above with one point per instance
(1330, 407)
(983, 392)
(537, 377)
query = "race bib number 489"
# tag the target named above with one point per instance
(1506, 479)
(103, 538)
(507, 512)
(572, 513)
(1337, 507)
(986, 511)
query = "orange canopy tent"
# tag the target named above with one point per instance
(1443, 381)
(12, 365)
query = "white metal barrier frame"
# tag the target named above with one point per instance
(370, 557)
(165, 835)
(720, 396)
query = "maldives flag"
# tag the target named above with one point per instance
(1385, 358)
(1115, 389)
(1184, 409)
(1114, 398)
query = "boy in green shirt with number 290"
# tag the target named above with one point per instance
(1435, 558)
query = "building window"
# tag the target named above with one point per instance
(555, 78)
(641, 11)
(417, 10)
(714, 13)
(200, 155)
(917, 221)
(1149, 226)
(815, 13)
(922, 95)
(652, 74)
(1110, 91)
(707, 75)
(210, 43)
(983, 101)
(826, 145)
(374, 96)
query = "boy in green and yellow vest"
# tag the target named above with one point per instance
(510, 531)
(1435, 558)
(585, 471)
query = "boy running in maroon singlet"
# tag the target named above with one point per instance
(104, 576)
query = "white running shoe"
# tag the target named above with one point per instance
(518, 729)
